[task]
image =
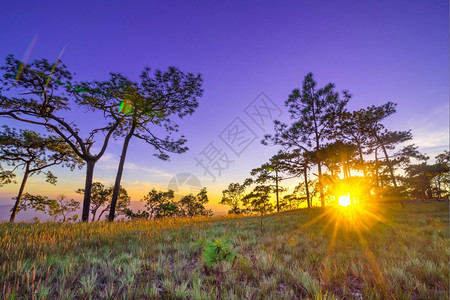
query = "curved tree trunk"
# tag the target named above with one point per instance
(101, 214)
(391, 170)
(90, 164)
(388, 162)
(115, 194)
(94, 212)
(15, 209)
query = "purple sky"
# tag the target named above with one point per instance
(379, 50)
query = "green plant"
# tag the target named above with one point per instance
(217, 252)
(216, 255)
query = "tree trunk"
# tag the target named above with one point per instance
(388, 162)
(347, 176)
(15, 209)
(376, 168)
(322, 196)
(90, 164)
(276, 188)
(101, 214)
(391, 171)
(306, 187)
(115, 194)
(94, 212)
(319, 161)
(319, 169)
(361, 160)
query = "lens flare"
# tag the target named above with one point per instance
(25, 58)
(53, 69)
(125, 106)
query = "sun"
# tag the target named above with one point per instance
(344, 200)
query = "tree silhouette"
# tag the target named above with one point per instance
(6, 176)
(62, 208)
(34, 153)
(380, 137)
(314, 112)
(159, 205)
(41, 95)
(296, 163)
(418, 180)
(337, 156)
(56, 208)
(442, 179)
(258, 201)
(137, 215)
(274, 171)
(232, 196)
(101, 200)
(425, 181)
(191, 206)
(352, 129)
(300, 194)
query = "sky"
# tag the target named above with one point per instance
(251, 54)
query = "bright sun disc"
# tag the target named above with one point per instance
(344, 200)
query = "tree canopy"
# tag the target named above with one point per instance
(34, 153)
(41, 94)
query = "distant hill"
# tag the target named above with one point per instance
(27, 216)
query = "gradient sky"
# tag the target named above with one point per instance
(379, 50)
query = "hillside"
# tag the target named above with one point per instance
(343, 253)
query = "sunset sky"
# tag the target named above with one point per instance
(249, 53)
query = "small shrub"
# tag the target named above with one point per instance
(216, 255)
(218, 252)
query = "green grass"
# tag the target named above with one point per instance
(396, 253)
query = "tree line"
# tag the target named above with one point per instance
(326, 146)
(157, 204)
(351, 152)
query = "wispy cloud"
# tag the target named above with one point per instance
(110, 162)
(431, 130)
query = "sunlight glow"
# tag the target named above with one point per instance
(344, 200)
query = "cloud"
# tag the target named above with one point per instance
(104, 181)
(155, 172)
(141, 184)
(110, 162)
(431, 130)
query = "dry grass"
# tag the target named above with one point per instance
(392, 253)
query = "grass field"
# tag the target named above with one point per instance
(379, 252)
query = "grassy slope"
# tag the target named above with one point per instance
(392, 253)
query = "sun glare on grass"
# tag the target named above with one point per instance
(344, 200)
